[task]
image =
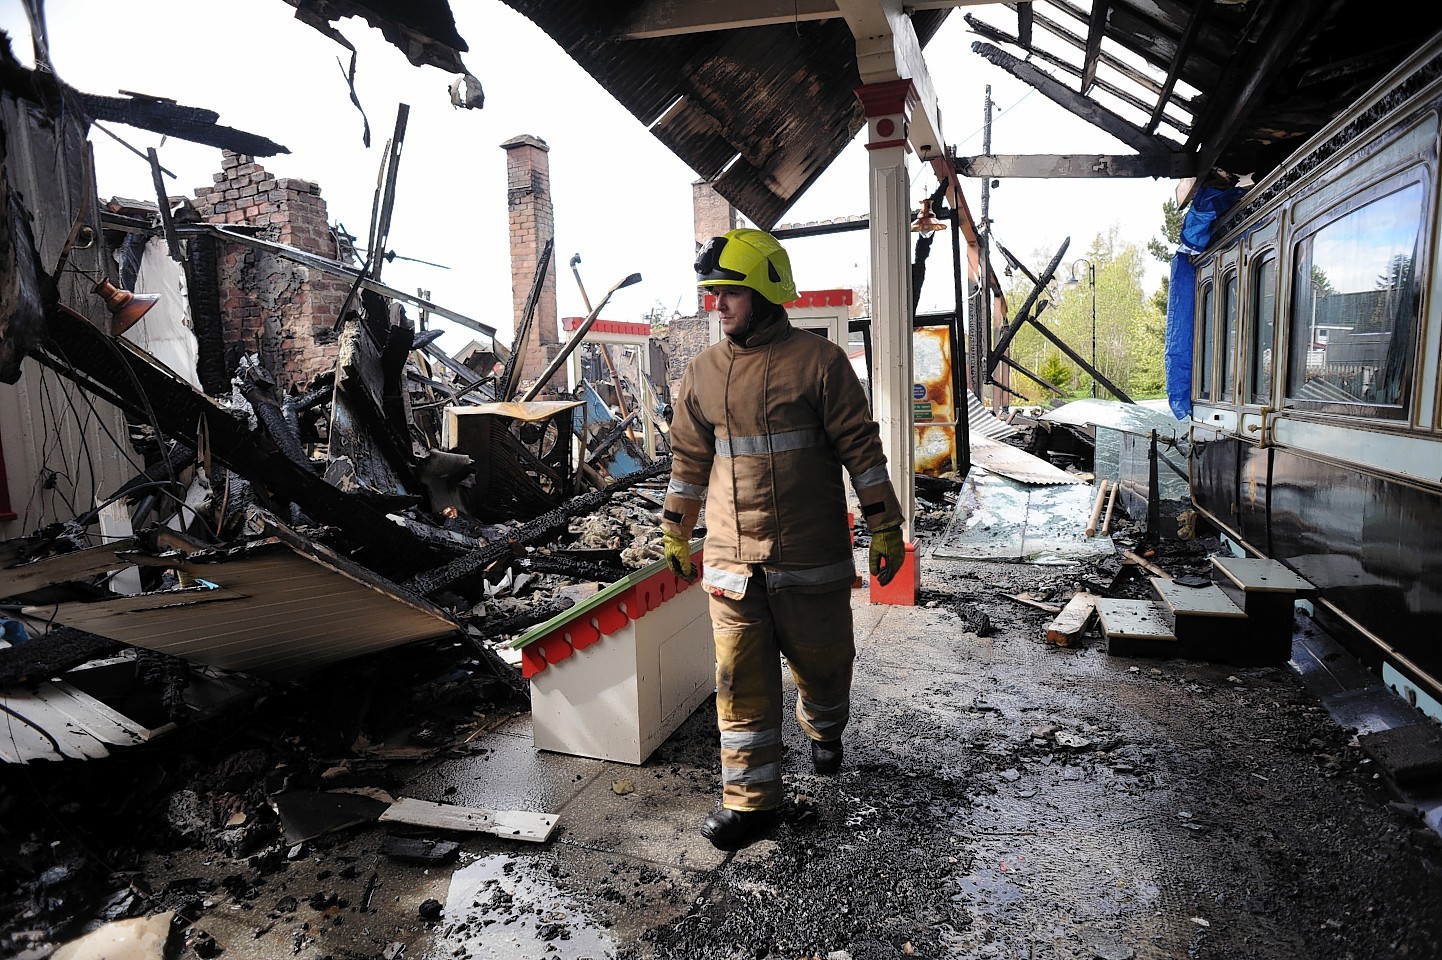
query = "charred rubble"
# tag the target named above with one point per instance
(321, 480)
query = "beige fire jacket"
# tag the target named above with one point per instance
(760, 433)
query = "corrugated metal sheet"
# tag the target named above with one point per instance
(779, 98)
(985, 423)
(276, 612)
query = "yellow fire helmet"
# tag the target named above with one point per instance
(747, 258)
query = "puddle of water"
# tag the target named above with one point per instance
(495, 908)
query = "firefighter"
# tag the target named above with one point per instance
(764, 422)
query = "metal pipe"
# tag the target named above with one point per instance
(576, 339)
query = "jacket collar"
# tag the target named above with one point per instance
(773, 332)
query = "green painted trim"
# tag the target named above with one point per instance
(591, 603)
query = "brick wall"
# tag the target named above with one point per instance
(712, 215)
(532, 222)
(279, 309)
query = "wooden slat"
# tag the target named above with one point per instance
(32, 728)
(65, 568)
(511, 824)
(1073, 619)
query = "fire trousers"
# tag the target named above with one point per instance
(814, 633)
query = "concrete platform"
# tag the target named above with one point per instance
(1000, 797)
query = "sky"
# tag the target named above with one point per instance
(622, 200)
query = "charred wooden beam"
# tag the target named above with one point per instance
(158, 115)
(259, 391)
(575, 569)
(1089, 110)
(202, 284)
(541, 529)
(510, 377)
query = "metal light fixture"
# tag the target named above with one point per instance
(1071, 283)
(926, 221)
(125, 308)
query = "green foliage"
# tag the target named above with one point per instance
(1056, 371)
(1171, 232)
(1130, 328)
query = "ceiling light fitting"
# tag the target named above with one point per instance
(926, 221)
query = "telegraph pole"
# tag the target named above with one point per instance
(981, 317)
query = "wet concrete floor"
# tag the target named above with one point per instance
(1001, 798)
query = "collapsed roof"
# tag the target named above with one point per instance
(758, 97)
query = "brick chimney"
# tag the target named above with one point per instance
(532, 223)
(712, 215)
(275, 307)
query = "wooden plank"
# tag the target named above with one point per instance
(96, 717)
(1073, 619)
(1028, 601)
(1145, 564)
(510, 824)
(36, 730)
(63, 568)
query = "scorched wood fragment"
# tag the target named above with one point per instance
(539, 530)
(145, 391)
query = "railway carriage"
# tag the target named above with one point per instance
(1316, 431)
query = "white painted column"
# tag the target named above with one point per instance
(887, 107)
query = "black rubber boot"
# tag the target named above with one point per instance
(826, 756)
(734, 829)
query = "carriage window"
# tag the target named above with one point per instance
(1355, 306)
(1204, 345)
(1264, 321)
(1229, 337)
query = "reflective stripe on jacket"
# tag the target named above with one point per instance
(761, 433)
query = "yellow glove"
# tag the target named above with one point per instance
(888, 549)
(678, 557)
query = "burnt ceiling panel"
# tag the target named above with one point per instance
(780, 97)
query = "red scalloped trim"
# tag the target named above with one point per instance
(609, 326)
(806, 298)
(609, 617)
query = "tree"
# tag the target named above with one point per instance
(1055, 370)
(1171, 232)
(1172, 219)
(1130, 327)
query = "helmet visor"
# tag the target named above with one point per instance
(708, 262)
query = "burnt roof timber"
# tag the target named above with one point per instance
(1113, 62)
(1181, 126)
(1184, 50)
(1174, 166)
(1096, 26)
(192, 124)
(1024, 17)
(1230, 104)
(1083, 107)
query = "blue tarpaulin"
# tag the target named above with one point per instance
(1197, 225)
(1177, 360)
